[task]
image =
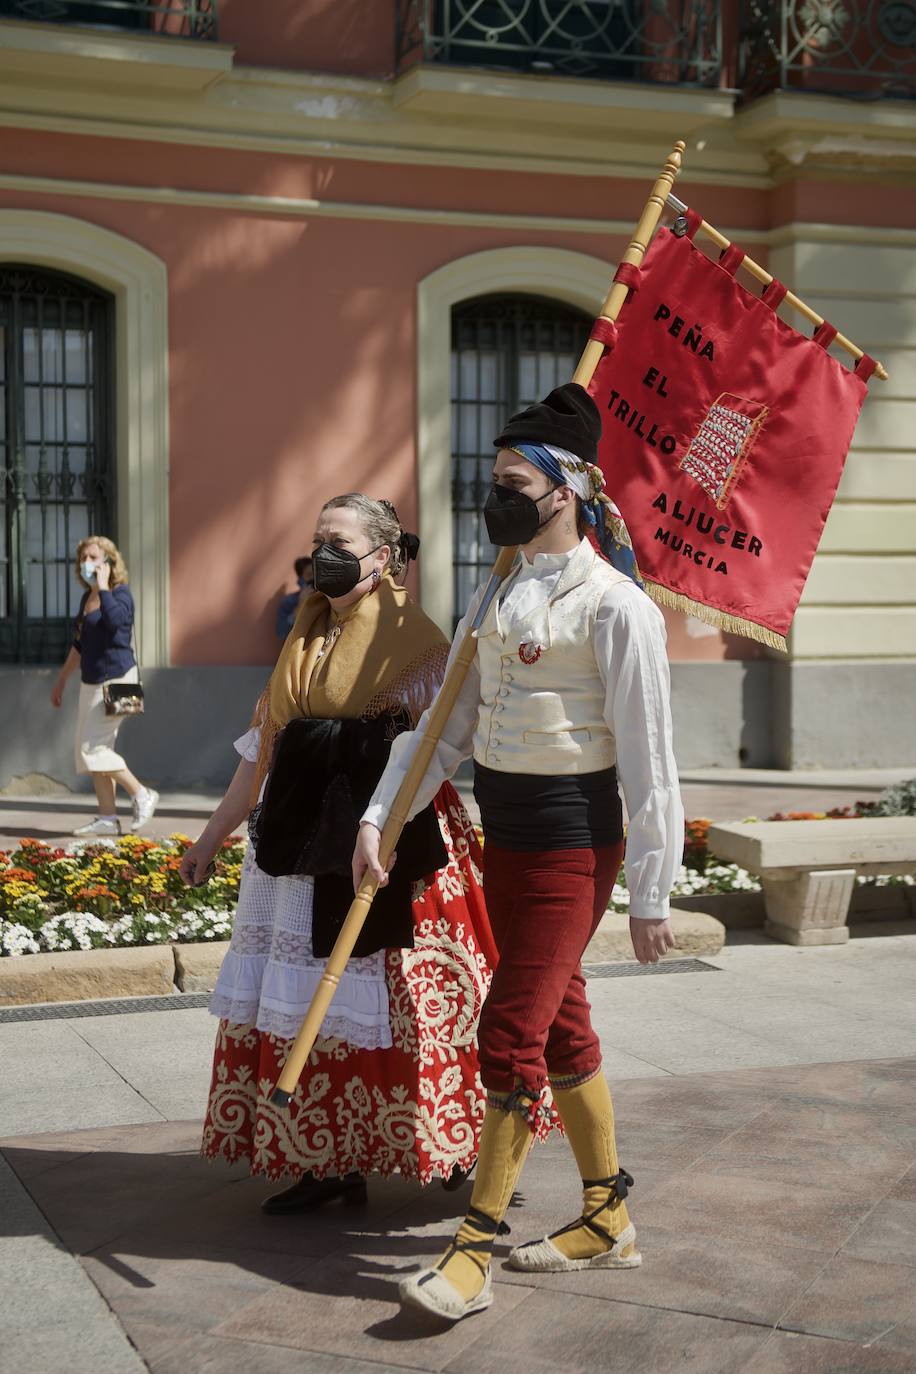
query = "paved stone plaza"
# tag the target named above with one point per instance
(766, 1106)
(766, 1103)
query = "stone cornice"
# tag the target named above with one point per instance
(431, 116)
(72, 80)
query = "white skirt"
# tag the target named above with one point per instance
(96, 733)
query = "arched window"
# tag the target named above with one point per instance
(507, 352)
(56, 463)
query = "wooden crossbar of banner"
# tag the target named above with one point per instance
(303, 1044)
(764, 276)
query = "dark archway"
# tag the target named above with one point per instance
(57, 469)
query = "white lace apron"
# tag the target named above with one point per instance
(269, 975)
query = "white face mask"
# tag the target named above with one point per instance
(87, 569)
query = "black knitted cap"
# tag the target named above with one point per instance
(567, 418)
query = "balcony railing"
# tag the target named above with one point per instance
(864, 48)
(170, 18)
(675, 41)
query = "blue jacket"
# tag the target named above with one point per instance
(103, 638)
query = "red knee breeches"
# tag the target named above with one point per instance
(544, 909)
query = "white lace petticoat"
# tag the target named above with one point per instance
(269, 974)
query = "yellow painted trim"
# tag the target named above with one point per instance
(439, 89)
(732, 168)
(802, 231)
(804, 114)
(867, 579)
(307, 207)
(41, 52)
(139, 283)
(325, 115)
(872, 527)
(863, 632)
(574, 278)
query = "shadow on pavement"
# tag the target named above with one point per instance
(767, 1200)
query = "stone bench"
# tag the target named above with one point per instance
(808, 869)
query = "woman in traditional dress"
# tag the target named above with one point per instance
(393, 1082)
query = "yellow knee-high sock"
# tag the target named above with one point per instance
(504, 1143)
(587, 1114)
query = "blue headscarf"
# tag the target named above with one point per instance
(587, 481)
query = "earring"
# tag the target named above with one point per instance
(376, 578)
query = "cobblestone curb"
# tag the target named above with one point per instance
(196, 966)
(83, 975)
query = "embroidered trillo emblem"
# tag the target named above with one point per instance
(721, 445)
(528, 652)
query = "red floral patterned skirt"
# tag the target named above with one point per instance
(415, 1108)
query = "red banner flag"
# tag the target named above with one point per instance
(725, 434)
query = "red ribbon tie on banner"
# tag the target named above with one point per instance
(604, 331)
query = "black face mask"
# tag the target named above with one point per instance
(512, 517)
(335, 572)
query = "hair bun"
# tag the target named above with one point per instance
(410, 546)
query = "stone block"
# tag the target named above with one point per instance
(85, 975)
(878, 844)
(747, 910)
(810, 908)
(197, 965)
(789, 935)
(696, 934)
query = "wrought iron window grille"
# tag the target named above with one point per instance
(57, 471)
(166, 18)
(507, 352)
(617, 40)
(860, 48)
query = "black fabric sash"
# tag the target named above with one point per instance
(534, 813)
(322, 778)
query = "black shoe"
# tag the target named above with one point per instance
(455, 1179)
(309, 1192)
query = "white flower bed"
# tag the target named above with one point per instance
(716, 878)
(719, 877)
(71, 930)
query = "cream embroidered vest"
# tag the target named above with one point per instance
(542, 697)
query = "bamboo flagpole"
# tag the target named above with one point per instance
(762, 275)
(442, 708)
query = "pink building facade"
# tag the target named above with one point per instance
(249, 262)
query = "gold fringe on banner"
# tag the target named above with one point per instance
(731, 624)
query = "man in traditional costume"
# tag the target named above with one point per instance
(570, 688)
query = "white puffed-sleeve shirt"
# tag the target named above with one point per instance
(632, 666)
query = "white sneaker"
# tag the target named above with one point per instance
(143, 807)
(101, 825)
